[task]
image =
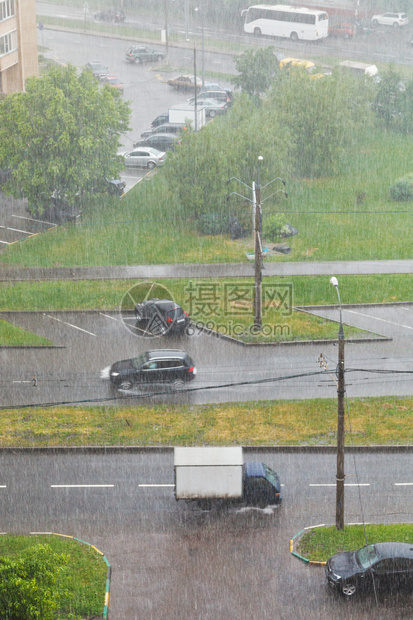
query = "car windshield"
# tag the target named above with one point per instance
(138, 361)
(367, 556)
(271, 476)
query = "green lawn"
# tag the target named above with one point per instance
(374, 421)
(321, 543)
(81, 586)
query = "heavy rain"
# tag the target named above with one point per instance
(206, 317)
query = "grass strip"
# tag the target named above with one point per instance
(321, 543)
(14, 336)
(374, 421)
(81, 586)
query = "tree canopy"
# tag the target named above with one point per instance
(257, 70)
(61, 136)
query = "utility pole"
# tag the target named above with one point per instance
(340, 477)
(257, 225)
(166, 31)
(258, 254)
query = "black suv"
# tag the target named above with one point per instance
(159, 366)
(138, 54)
(158, 317)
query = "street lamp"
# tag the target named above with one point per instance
(203, 44)
(340, 419)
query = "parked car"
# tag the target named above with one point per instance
(160, 317)
(387, 564)
(390, 19)
(111, 15)
(345, 30)
(115, 187)
(185, 82)
(144, 157)
(158, 366)
(214, 87)
(138, 54)
(212, 107)
(160, 141)
(114, 82)
(161, 119)
(175, 128)
(217, 95)
(98, 69)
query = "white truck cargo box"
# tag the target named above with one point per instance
(359, 68)
(183, 113)
(208, 473)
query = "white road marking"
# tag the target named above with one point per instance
(156, 485)
(3, 486)
(109, 317)
(377, 319)
(81, 486)
(403, 484)
(69, 324)
(26, 232)
(31, 219)
(5, 242)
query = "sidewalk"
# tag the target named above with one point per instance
(219, 270)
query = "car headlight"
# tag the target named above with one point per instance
(114, 374)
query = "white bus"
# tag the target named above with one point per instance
(281, 20)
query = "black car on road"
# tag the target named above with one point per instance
(111, 15)
(158, 317)
(387, 565)
(168, 366)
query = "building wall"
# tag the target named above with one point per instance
(18, 44)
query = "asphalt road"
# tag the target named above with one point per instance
(170, 560)
(86, 342)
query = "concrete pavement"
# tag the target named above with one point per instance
(218, 270)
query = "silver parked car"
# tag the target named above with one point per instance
(144, 157)
(390, 19)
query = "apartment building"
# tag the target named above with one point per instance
(18, 44)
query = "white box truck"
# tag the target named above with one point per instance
(184, 113)
(359, 68)
(219, 473)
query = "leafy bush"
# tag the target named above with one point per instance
(274, 226)
(26, 584)
(402, 189)
(212, 224)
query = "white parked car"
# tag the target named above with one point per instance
(390, 19)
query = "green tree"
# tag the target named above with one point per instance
(26, 584)
(257, 70)
(390, 99)
(61, 136)
(322, 116)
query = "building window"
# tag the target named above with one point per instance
(7, 9)
(7, 43)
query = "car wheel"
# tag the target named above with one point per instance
(178, 384)
(375, 22)
(212, 114)
(125, 385)
(151, 165)
(257, 32)
(395, 25)
(348, 589)
(294, 36)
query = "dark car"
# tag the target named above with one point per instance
(159, 366)
(160, 141)
(116, 187)
(161, 119)
(387, 565)
(98, 69)
(165, 128)
(138, 54)
(160, 317)
(111, 15)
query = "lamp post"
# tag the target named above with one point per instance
(340, 419)
(203, 44)
(166, 41)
